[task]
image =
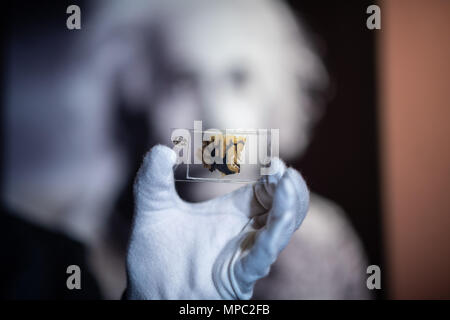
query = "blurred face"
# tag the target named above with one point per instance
(233, 67)
(210, 70)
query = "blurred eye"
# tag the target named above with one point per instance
(239, 78)
(183, 80)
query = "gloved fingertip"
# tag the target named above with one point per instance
(154, 186)
(278, 167)
(284, 197)
(160, 153)
(301, 194)
(265, 188)
(299, 184)
(157, 167)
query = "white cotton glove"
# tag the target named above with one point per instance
(215, 249)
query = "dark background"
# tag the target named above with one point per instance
(341, 163)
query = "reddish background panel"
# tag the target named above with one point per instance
(414, 79)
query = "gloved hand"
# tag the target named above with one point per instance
(215, 249)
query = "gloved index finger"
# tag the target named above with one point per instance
(264, 189)
(274, 236)
(256, 199)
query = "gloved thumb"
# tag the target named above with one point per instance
(154, 187)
